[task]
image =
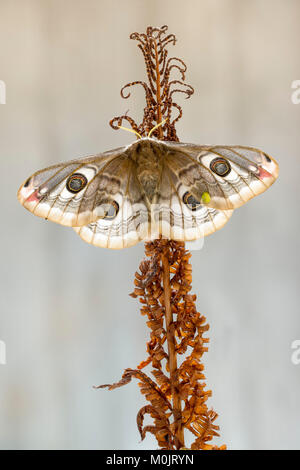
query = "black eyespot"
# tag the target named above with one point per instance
(267, 158)
(111, 210)
(27, 182)
(76, 183)
(191, 202)
(220, 166)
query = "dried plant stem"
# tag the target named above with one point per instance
(163, 286)
(176, 399)
(171, 341)
(158, 94)
(172, 356)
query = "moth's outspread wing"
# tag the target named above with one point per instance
(99, 196)
(128, 225)
(178, 215)
(77, 192)
(227, 176)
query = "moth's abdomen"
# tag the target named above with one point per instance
(149, 182)
(148, 160)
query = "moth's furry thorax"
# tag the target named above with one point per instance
(147, 157)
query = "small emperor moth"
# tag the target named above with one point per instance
(149, 189)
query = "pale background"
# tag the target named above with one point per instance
(66, 316)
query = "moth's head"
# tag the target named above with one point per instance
(143, 146)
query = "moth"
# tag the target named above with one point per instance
(148, 189)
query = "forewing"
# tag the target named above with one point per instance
(77, 192)
(229, 176)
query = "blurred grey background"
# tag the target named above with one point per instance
(66, 317)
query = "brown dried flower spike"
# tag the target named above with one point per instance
(160, 90)
(177, 398)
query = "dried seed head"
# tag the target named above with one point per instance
(159, 90)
